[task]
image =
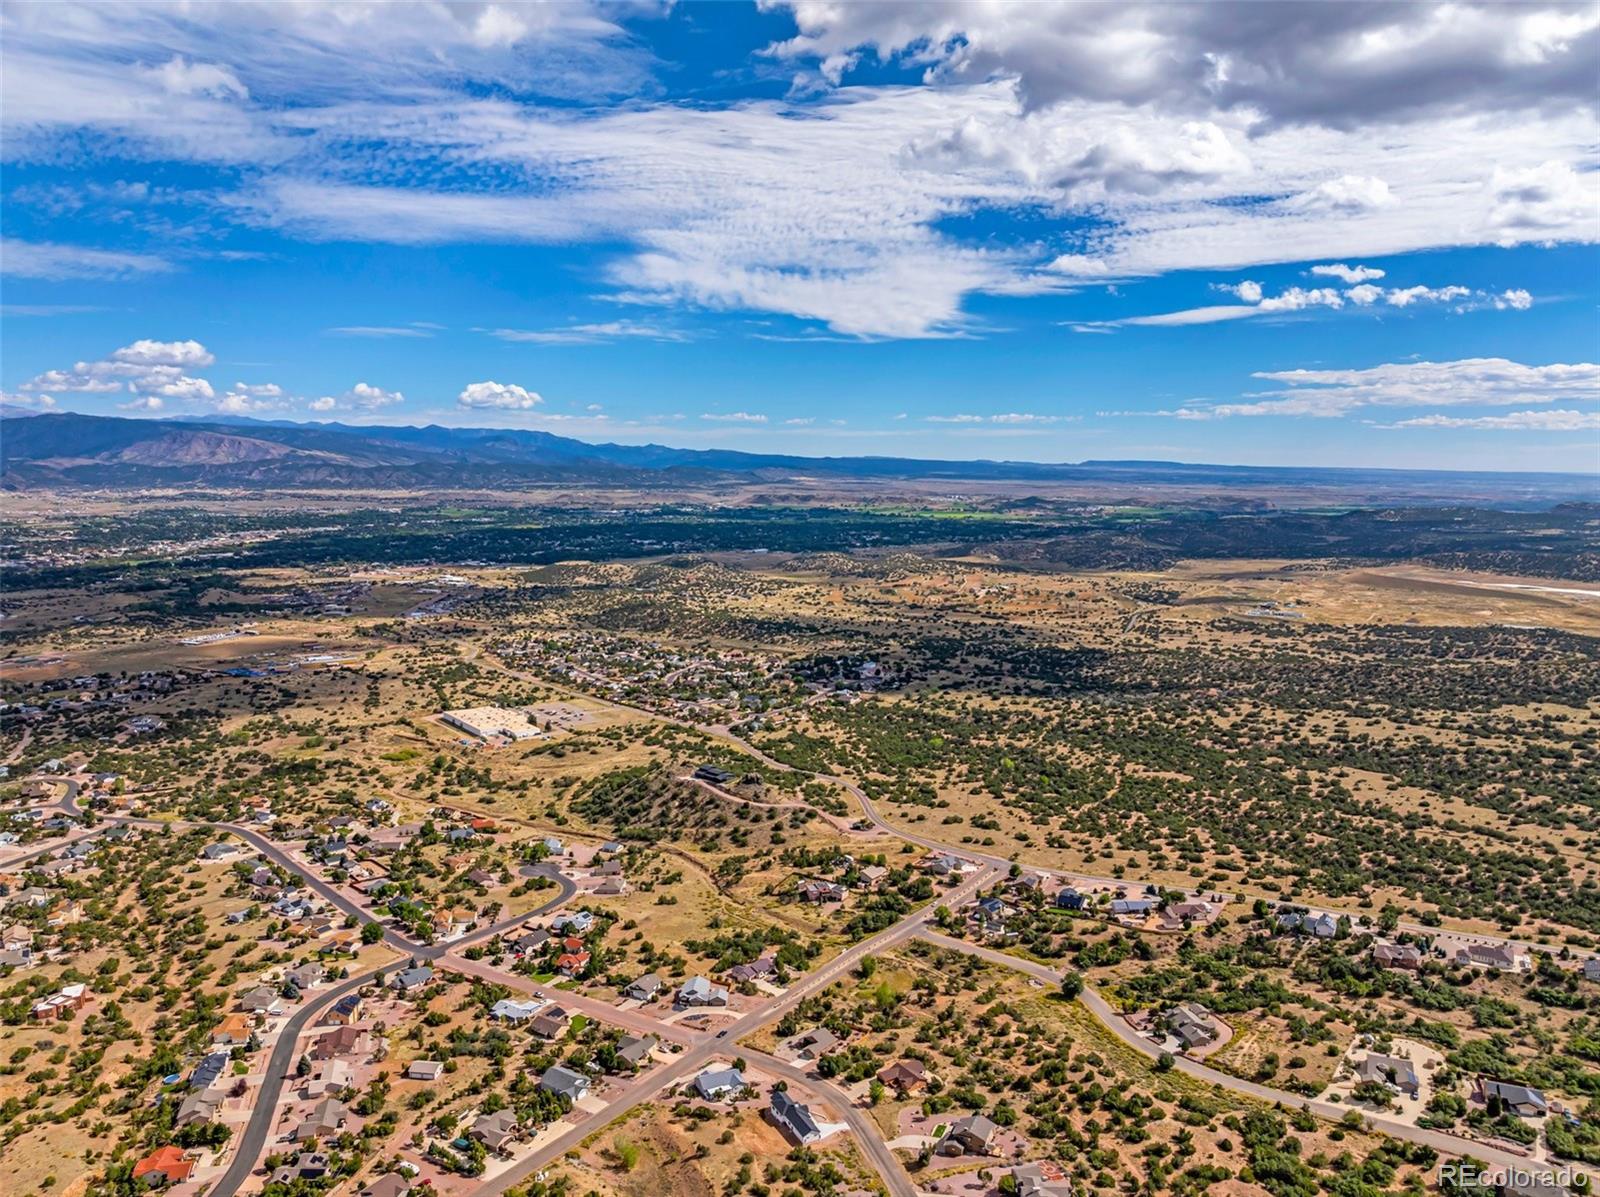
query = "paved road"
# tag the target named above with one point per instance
(1446, 1144)
(724, 1043)
(279, 1066)
(878, 1152)
(284, 1055)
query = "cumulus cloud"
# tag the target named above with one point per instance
(142, 403)
(153, 368)
(504, 396)
(1302, 299)
(1350, 275)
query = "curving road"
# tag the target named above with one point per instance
(282, 1061)
(724, 1042)
(1445, 1144)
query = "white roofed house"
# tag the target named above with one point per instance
(698, 991)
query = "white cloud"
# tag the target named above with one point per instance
(325, 403)
(588, 334)
(155, 368)
(1300, 299)
(1160, 134)
(506, 396)
(365, 395)
(963, 418)
(1350, 275)
(1013, 418)
(1517, 421)
(1468, 382)
(1347, 195)
(180, 77)
(142, 403)
(1343, 66)
(187, 355)
(35, 402)
(380, 332)
(734, 417)
(1546, 199)
(799, 422)
(50, 260)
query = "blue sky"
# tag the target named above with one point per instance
(1340, 235)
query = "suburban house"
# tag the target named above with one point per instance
(424, 1070)
(197, 1109)
(515, 1009)
(904, 1076)
(408, 979)
(346, 1010)
(328, 1077)
(551, 1023)
(325, 1119)
(716, 1083)
(968, 1136)
(577, 922)
(634, 1050)
(820, 892)
(1132, 907)
(498, 1130)
(1397, 955)
(1396, 1072)
(1591, 969)
(164, 1166)
(233, 1030)
(209, 1070)
(756, 970)
(793, 1119)
(306, 976)
(1504, 956)
(563, 1082)
(1192, 1025)
(815, 1043)
(697, 991)
(1043, 1178)
(1519, 1099)
(61, 1004)
(263, 999)
(644, 989)
(570, 964)
(715, 774)
(390, 1184)
(345, 1042)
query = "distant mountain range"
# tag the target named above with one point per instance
(68, 450)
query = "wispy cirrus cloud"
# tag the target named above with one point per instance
(1468, 382)
(382, 332)
(54, 261)
(1518, 421)
(588, 334)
